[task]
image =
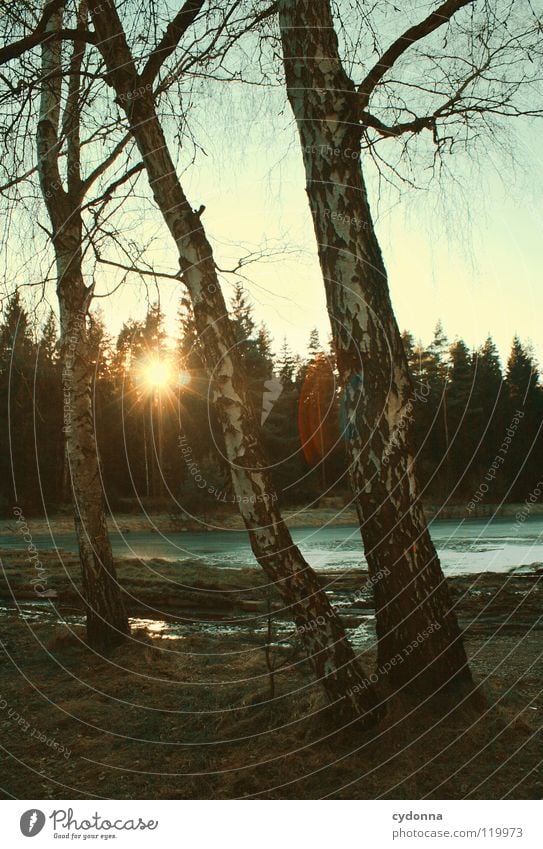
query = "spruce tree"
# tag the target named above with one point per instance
(17, 367)
(48, 415)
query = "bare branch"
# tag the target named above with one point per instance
(104, 165)
(40, 34)
(18, 179)
(426, 122)
(436, 19)
(461, 105)
(108, 193)
(136, 270)
(171, 38)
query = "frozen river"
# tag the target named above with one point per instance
(464, 546)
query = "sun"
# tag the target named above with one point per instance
(158, 374)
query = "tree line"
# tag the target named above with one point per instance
(160, 444)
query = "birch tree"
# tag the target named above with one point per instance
(317, 623)
(106, 618)
(482, 70)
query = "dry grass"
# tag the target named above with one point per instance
(192, 718)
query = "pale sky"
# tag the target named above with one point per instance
(470, 255)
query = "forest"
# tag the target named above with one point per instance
(150, 397)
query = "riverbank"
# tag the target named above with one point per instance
(192, 591)
(188, 707)
(334, 515)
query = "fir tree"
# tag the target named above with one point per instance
(17, 371)
(522, 377)
(286, 364)
(314, 346)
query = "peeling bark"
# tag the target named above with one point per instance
(411, 594)
(106, 619)
(318, 625)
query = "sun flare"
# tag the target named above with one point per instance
(184, 378)
(158, 374)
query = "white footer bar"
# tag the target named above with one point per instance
(272, 825)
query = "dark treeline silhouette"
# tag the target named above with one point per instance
(476, 425)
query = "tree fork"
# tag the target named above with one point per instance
(106, 619)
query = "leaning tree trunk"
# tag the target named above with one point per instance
(107, 622)
(318, 625)
(418, 636)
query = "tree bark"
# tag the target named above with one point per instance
(106, 618)
(419, 642)
(318, 624)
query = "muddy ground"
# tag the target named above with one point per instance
(187, 708)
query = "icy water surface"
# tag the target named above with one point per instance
(465, 546)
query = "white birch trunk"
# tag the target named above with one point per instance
(412, 601)
(106, 619)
